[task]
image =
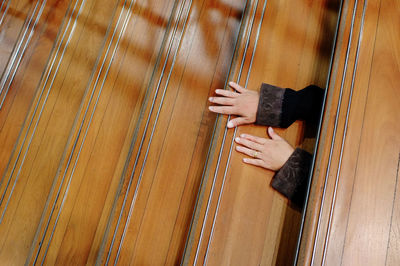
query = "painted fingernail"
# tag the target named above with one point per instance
(237, 139)
(230, 124)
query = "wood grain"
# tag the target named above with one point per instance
(107, 148)
(252, 223)
(357, 217)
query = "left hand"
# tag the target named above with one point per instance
(243, 103)
(267, 153)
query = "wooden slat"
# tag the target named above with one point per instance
(393, 247)
(121, 96)
(253, 223)
(46, 129)
(107, 148)
(372, 200)
(14, 15)
(162, 208)
(19, 90)
(357, 216)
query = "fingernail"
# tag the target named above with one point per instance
(242, 135)
(211, 108)
(210, 99)
(231, 83)
(217, 90)
(237, 139)
(245, 160)
(230, 124)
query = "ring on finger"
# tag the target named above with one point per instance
(255, 155)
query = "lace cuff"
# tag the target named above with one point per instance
(269, 112)
(291, 179)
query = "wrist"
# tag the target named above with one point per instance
(269, 109)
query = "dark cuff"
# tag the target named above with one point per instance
(291, 179)
(269, 110)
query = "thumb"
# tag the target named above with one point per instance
(236, 122)
(273, 135)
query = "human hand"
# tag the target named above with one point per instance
(268, 153)
(243, 103)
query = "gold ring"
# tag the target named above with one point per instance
(255, 154)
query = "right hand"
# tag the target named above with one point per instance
(243, 103)
(267, 153)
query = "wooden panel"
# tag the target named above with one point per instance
(112, 88)
(107, 149)
(103, 130)
(160, 198)
(240, 219)
(36, 156)
(15, 18)
(357, 223)
(23, 71)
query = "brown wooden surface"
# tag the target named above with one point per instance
(252, 224)
(106, 140)
(356, 222)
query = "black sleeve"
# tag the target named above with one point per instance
(281, 107)
(291, 179)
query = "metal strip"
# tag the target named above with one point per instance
(88, 125)
(235, 132)
(17, 46)
(5, 11)
(152, 133)
(180, 12)
(335, 129)
(318, 134)
(136, 131)
(213, 133)
(223, 140)
(17, 52)
(33, 100)
(37, 105)
(344, 132)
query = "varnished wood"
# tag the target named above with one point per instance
(251, 215)
(357, 221)
(107, 148)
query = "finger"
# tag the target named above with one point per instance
(249, 144)
(225, 110)
(237, 122)
(247, 151)
(226, 93)
(254, 138)
(221, 100)
(273, 134)
(237, 87)
(256, 162)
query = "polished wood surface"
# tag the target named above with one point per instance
(353, 213)
(240, 219)
(108, 152)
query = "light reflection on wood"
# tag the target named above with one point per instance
(72, 220)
